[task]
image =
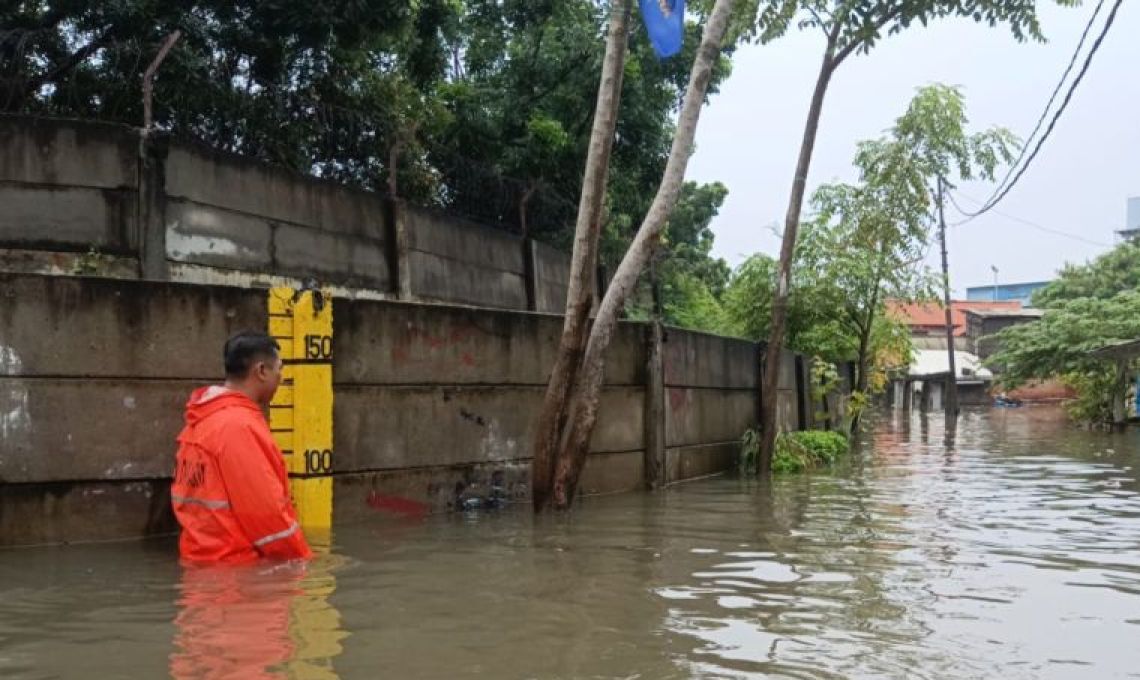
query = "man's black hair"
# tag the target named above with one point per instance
(245, 349)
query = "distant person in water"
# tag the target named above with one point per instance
(231, 491)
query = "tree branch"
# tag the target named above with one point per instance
(856, 44)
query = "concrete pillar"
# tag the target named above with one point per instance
(399, 248)
(151, 209)
(924, 402)
(908, 394)
(530, 274)
(655, 472)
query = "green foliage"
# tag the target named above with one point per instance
(1115, 271)
(858, 25)
(824, 382)
(1081, 313)
(1095, 388)
(802, 451)
(750, 452)
(690, 280)
(795, 451)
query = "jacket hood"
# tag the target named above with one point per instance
(206, 401)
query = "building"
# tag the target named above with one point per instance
(982, 324)
(1019, 292)
(1131, 228)
(927, 321)
(924, 384)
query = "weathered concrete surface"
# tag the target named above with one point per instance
(551, 276)
(330, 257)
(396, 343)
(698, 415)
(615, 472)
(694, 359)
(690, 462)
(61, 263)
(94, 327)
(379, 428)
(456, 260)
(75, 218)
(435, 278)
(64, 512)
(68, 153)
(239, 184)
(67, 429)
(202, 234)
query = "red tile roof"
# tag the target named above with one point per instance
(930, 318)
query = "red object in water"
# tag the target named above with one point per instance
(397, 504)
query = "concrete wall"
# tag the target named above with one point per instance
(173, 211)
(431, 402)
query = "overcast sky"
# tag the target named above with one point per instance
(750, 134)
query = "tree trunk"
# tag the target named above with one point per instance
(787, 252)
(951, 384)
(584, 403)
(583, 266)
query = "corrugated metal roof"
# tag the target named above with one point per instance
(933, 314)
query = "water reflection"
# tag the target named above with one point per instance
(262, 621)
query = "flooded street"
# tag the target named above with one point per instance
(1014, 553)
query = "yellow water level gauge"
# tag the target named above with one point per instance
(301, 414)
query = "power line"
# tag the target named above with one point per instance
(1003, 191)
(1053, 97)
(1022, 220)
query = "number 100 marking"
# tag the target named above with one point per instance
(318, 461)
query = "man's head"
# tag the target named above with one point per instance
(253, 365)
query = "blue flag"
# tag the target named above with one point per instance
(665, 23)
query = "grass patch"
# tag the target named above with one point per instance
(795, 451)
(800, 451)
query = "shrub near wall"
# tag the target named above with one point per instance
(795, 451)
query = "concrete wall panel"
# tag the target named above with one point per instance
(330, 257)
(68, 153)
(704, 416)
(390, 428)
(396, 343)
(93, 327)
(693, 359)
(462, 240)
(690, 462)
(552, 278)
(67, 512)
(203, 234)
(74, 218)
(244, 185)
(55, 430)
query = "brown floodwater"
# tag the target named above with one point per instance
(1012, 553)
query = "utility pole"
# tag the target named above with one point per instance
(952, 382)
(995, 271)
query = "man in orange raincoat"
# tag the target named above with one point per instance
(231, 491)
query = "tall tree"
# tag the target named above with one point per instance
(1087, 306)
(581, 411)
(849, 27)
(583, 265)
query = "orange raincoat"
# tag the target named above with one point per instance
(230, 491)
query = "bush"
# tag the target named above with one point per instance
(795, 451)
(800, 451)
